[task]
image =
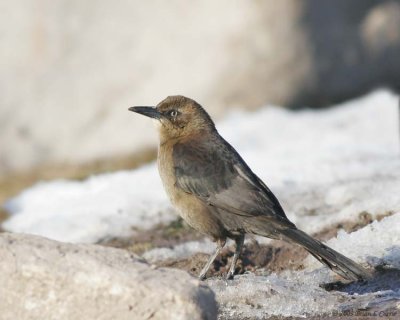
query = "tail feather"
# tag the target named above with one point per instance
(337, 262)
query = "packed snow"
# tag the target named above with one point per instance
(298, 293)
(325, 166)
(180, 251)
(315, 161)
(102, 206)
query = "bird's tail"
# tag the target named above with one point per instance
(337, 262)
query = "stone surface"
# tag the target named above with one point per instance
(70, 69)
(45, 279)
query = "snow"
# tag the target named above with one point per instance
(99, 207)
(326, 167)
(298, 293)
(319, 164)
(180, 251)
(377, 243)
(292, 294)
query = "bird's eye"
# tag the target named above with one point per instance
(173, 113)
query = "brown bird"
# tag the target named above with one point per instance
(216, 192)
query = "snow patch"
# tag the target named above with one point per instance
(324, 166)
(298, 293)
(102, 206)
(181, 251)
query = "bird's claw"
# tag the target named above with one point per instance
(229, 276)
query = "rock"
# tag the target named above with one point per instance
(70, 69)
(45, 279)
(354, 48)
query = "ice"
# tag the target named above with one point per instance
(260, 296)
(298, 293)
(295, 294)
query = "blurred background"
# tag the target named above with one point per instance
(70, 69)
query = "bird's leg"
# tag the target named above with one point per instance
(220, 245)
(239, 244)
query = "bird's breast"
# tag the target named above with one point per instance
(166, 170)
(192, 210)
(178, 198)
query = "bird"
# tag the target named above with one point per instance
(216, 192)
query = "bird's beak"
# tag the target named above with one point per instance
(151, 112)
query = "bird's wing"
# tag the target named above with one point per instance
(215, 173)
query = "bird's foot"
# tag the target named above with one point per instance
(202, 277)
(229, 276)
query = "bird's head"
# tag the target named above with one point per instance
(178, 117)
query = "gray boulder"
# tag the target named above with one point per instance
(45, 279)
(70, 69)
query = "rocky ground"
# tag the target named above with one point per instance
(35, 267)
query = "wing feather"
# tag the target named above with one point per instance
(215, 173)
